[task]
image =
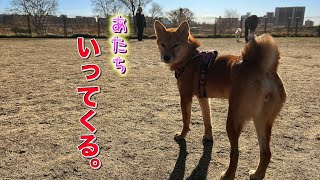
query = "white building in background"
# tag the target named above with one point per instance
(270, 17)
(309, 23)
(246, 16)
(288, 15)
(165, 21)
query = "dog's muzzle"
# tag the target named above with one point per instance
(167, 58)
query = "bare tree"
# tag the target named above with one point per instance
(132, 5)
(173, 15)
(189, 14)
(105, 7)
(231, 13)
(232, 17)
(36, 11)
(155, 11)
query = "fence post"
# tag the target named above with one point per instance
(241, 26)
(265, 24)
(64, 20)
(296, 32)
(98, 25)
(29, 24)
(319, 31)
(4, 22)
(289, 24)
(215, 27)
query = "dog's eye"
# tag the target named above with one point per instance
(162, 45)
(176, 45)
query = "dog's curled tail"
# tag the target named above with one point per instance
(264, 52)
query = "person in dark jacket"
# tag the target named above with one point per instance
(250, 24)
(141, 23)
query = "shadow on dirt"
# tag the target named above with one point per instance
(201, 171)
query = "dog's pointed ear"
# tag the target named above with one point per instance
(159, 28)
(184, 29)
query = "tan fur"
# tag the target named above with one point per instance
(250, 82)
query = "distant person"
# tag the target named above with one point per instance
(238, 33)
(141, 23)
(250, 24)
(181, 16)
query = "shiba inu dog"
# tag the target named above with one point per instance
(249, 81)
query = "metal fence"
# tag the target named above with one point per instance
(68, 26)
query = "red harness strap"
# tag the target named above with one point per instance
(207, 58)
(178, 71)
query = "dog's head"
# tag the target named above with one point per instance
(174, 43)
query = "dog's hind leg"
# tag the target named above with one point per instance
(186, 116)
(234, 127)
(263, 124)
(263, 127)
(205, 109)
(273, 102)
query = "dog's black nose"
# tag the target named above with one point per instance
(166, 58)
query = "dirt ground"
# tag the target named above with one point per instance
(138, 115)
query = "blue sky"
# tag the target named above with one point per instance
(204, 9)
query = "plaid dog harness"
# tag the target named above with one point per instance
(207, 57)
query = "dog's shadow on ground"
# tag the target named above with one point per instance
(201, 171)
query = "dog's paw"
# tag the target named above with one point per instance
(224, 176)
(254, 176)
(207, 138)
(178, 137)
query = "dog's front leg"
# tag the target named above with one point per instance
(205, 108)
(185, 103)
